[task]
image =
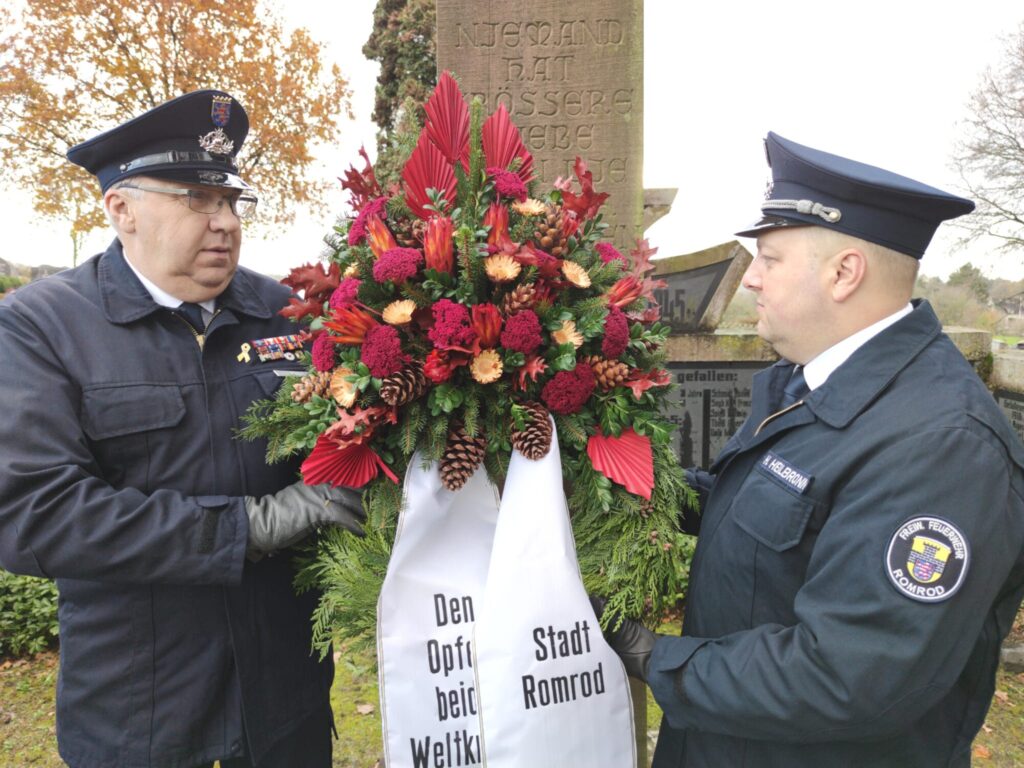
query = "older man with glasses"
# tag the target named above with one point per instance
(123, 381)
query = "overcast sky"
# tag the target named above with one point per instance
(881, 82)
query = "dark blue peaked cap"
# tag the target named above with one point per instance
(809, 186)
(193, 138)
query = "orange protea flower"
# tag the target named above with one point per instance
(379, 236)
(399, 312)
(502, 268)
(437, 244)
(568, 334)
(575, 274)
(625, 292)
(349, 324)
(343, 390)
(486, 367)
(486, 324)
(496, 217)
(529, 207)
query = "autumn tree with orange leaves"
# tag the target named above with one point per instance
(70, 69)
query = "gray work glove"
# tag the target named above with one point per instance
(281, 519)
(631, 640)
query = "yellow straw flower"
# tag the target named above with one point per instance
(343, 391)
(399, 312)
(486, 367)
(568, 334)
(529, 207)
(502, 268)
(351, 270)
(575, 274)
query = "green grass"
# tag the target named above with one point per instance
(27, 716)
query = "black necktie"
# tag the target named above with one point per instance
(795, 388)
(194, 314)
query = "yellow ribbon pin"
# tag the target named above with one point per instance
(243, 357)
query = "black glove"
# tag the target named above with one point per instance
(630, 639)
(281, 519)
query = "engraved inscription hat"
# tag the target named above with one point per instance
(193, 138)
(811, 187)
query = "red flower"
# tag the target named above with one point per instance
(522, 332)
(397, 265)
(382, 351)
(609, 253)
(451, 326)
(587, 203)
(378, 236)
(437, 244)
(568, 391)
(437, 367)
(508, 184)
(616, 333)
(323, 353)
(547, 265)
(625, 292)
(496, 217)
(357, 232)
(486, 325)
(345, 293)
(350, 325)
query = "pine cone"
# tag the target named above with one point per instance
(314, 384)
(550, 232)
(409, 232)
(404, 386)
(609, 373)
(521, 297)
(462, 456)
(534, 440)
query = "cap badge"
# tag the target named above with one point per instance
(769, 187)
(220, 110)
(216, 142)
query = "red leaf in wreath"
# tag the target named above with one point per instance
(626, 460)
(353, 466)
(502, 143)
(448, 118)
(426, 169)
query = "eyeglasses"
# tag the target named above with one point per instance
(206, 201)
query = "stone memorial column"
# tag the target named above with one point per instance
(571, 77)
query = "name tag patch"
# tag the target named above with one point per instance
(927, 559)
(778, 468)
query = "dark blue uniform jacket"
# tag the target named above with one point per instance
(798, 649)
(121, 478)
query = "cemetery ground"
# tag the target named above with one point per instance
(27, 737)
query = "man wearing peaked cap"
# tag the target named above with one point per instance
(861, 538)
(182, 642)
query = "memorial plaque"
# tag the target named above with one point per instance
(713, 399)
(571, 77)
(1012, 404)
(699, 286)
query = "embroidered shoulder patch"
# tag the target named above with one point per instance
(778, 468)
(927, 559)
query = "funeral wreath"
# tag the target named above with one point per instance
(454, 312)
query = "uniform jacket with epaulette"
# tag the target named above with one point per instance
(123, 479)
(800, 647)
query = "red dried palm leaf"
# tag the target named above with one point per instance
(427, 168)
(353, 466)
(448, 119)
(502, 143)
(626, 460)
